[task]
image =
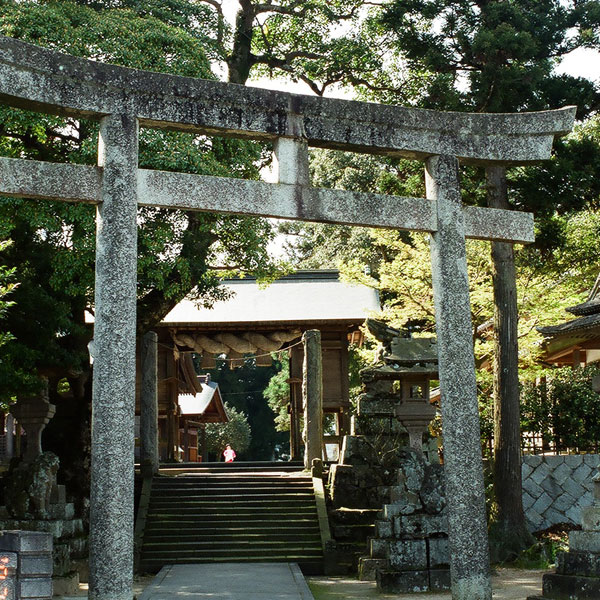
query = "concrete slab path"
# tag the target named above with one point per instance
(229, 581)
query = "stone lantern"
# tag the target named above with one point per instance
(33, 414)
(414, 363)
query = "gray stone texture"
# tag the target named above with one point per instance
(555, 488)
(402, 582)
(567, 587)
(585, 564)
(469, 550)
(8, 575)
(149, 404)
(368, 567)
(31, 77)
(28, 488)
(312, 397)
(20, 178)
(113, 351)
(408, 555)
(33, 551)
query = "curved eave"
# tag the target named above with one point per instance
(39, 79)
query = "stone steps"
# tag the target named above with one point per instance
(240, 516)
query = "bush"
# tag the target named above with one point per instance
(563, 409)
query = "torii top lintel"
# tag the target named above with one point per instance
(44, 80)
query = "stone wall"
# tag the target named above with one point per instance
(556, 488)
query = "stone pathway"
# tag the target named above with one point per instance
(231, 581)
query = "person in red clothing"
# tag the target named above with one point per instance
(229, 453)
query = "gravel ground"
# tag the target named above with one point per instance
(508, 584)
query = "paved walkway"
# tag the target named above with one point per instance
(231, 581)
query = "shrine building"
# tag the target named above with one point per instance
(257, 320)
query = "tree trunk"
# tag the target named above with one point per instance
(512, 530)
(241, 59)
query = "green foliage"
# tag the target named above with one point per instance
(277, 395)
(493, 56)
(7, 286)
(53, 248)
(235, 432)
(563, 409)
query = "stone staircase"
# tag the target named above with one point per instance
(245, 512)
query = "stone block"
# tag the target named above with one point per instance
(378, 548)
(377, 426)
(408, 555)
(384, 529)
(366, 476)
(562, 472)
(8, 588)
(67, 585)
(540, 473)
(593, 460)
(412, 471)
(573, 460)
(582, 473)
(25, 542)
(526, 470)
(410, 526)
(534, 520)
(420, 525)
(391, 510)
(532, 488)
(368, 567)
(439, 553)
(590, 518)
(432, 492)
(552, 517)
(532, 460)
(72, 527)
(565, 587)
(563, 502)
(403, 582)
(34, 587)
(381, 496)
(407, 501)
(62, 511)
(573, 514)
(528, 501)
(551, 487)
(341, 475)
(584, 541)
(356, 450)
(376, 407)
(32, 564)
(439, 580)
(542, 503)
(585, 564)
(58, 495)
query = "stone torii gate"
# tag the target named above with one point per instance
(123, 100)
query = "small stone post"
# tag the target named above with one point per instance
(149, 405)
(113, 396)
(463, 465)
(312, 397)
